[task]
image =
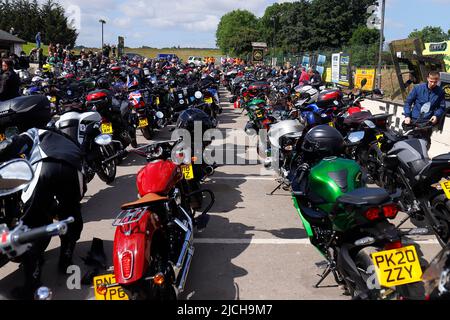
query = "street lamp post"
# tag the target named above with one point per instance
(383, 9)
(102, 22)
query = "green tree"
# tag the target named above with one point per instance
(430, 34)
(235, 32)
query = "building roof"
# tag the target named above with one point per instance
(8, 37)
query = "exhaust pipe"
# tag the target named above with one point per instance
(186, 268)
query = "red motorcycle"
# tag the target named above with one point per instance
(153, 243)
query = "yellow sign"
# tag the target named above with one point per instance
(397, 267)
(446, 187)
(442, 48)
(368, 74)
(328, 75)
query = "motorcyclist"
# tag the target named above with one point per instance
(426, 94)
(56, 161)
(9, 81)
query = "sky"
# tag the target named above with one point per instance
(193, 23)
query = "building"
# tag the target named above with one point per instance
(10, 43)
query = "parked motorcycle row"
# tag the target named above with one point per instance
(327, 149)
(100, 111)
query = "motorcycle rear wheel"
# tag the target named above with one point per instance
(106, 172)
(147, 132)
(441, 208)
(411, 291)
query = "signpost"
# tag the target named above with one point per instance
(258, 52)
(120, 47)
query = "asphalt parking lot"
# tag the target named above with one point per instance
(254, 247)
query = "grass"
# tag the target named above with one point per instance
(183, 54)
(30, 45)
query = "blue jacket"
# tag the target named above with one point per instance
(420, 95)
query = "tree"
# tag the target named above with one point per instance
(28, 17)
(235, 32)
(430, 34)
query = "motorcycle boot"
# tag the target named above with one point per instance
(32, 268)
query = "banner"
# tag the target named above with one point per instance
(328, 75)
(305, 61)
(335, 61)
(344, 63)
(369, 75)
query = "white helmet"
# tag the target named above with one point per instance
(307, 94)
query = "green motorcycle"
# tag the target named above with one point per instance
(349, 223)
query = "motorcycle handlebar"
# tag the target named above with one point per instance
(54, 229)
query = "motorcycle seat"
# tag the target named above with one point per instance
(438, 163)
(364, 196)
(145, 200)
(315, 217)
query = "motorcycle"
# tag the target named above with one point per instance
(147, 117)
(349, 224)
(117, 118)
(15, 175)
(84, 128)
(153, 242)
(402, 162)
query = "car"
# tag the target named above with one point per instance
(133, 56)
(167, 56)
(197, 61)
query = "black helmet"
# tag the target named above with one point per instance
(323, 141)
(188, 117)
(102, 83)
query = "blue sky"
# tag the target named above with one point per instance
(192, 23)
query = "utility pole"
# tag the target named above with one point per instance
(383, 10)
(102, 22)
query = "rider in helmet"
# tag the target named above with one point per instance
(56, 161)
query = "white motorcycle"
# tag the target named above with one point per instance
(85, 129)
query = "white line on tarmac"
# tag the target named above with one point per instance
(244, 178)
(279, 241)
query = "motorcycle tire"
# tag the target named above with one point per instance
(147, 132)
(107, 172)
(441, 208)
(411, 291)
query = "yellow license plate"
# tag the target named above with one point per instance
(53, 99)
(188, 172)
(331, 124)
(113, 293)
(208, 100)
(2, 137)
(107, 128)
(143, 123)
(397, 267)
(446, 187)
(157, 101)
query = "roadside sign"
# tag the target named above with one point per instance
(369, 75)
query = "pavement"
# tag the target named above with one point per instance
(255, 246)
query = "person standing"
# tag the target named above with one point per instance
(38, 40)
(9, 81)
(426, 94)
